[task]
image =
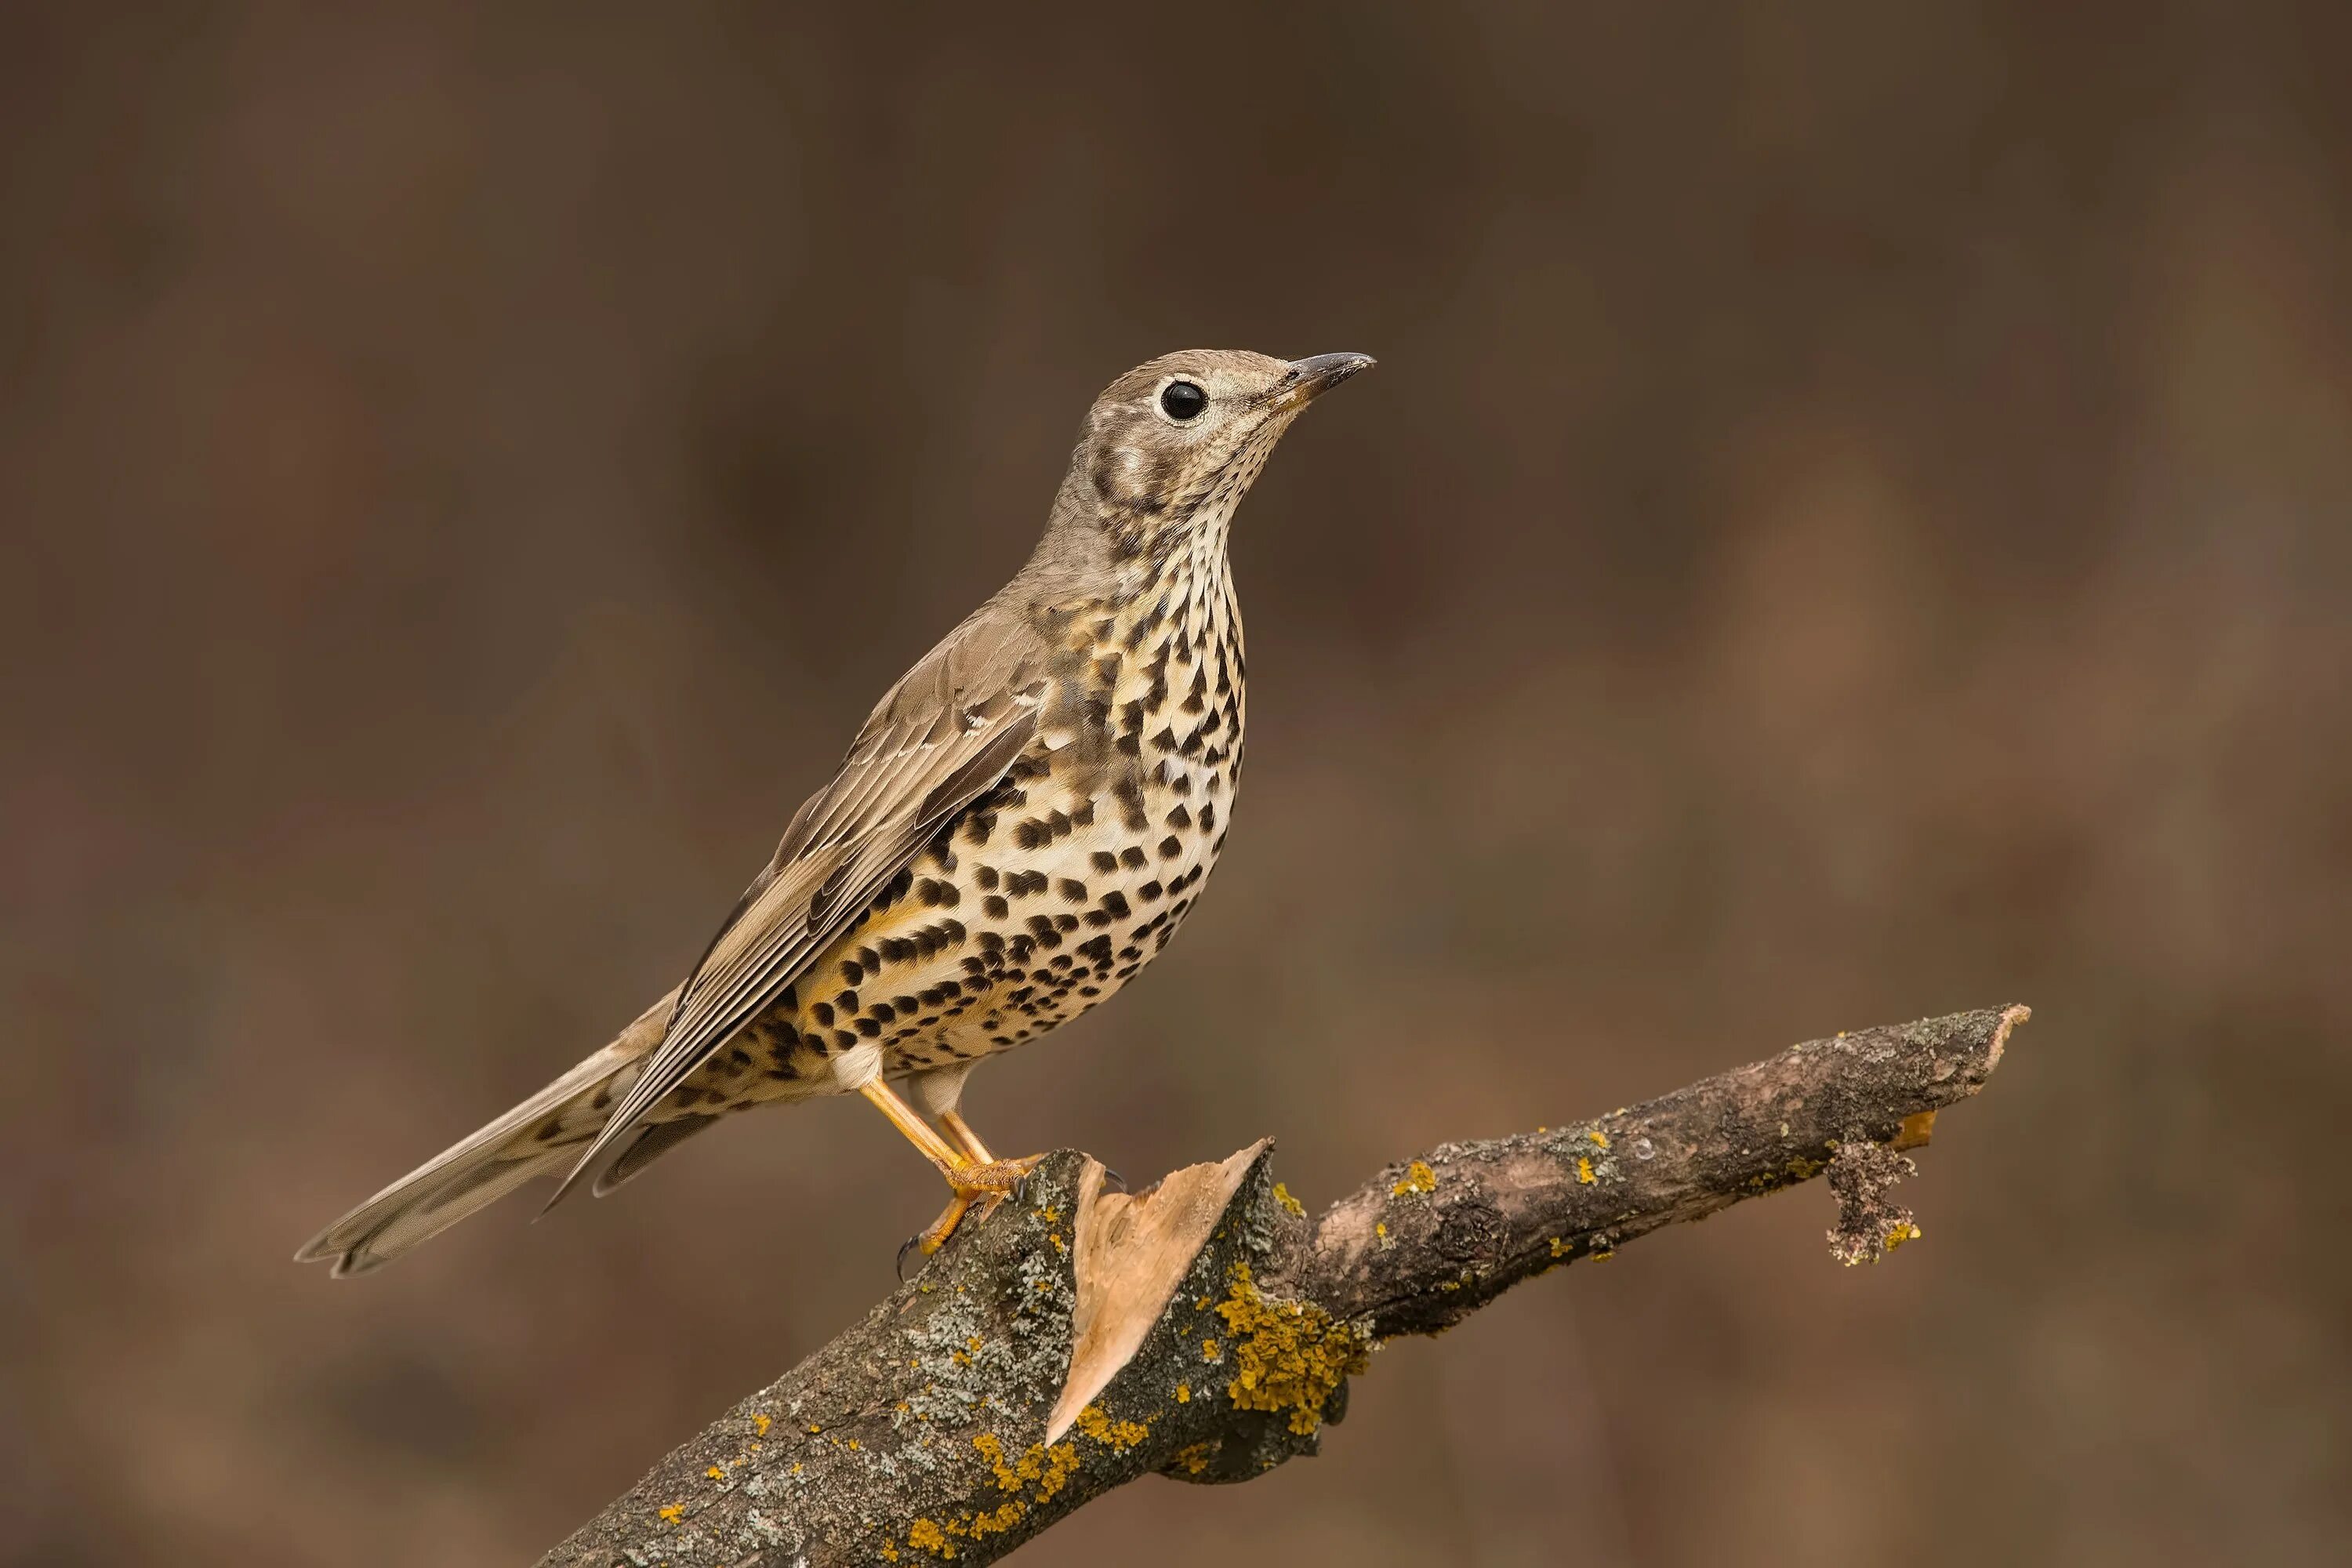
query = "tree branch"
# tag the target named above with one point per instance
(1207, 1328)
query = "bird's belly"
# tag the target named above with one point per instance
(1055, 928)
(1000, 930)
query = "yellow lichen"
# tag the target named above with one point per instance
(1561, 1247)
(1183, 1394)
(1418, 1178)
(1282, 1196)
(1195, 1457)
(673, 1513)
(1380, 1229)
(715, 1473)
(928, 1536)
(1287, 1355)
(1117, 1436)
(1903, 1232)
(996, 1523)
(1584, 1170)
(1061, 1462)
(759, 1425)
(1599, 1137)
(1049, 1468)
(992, 1449)
(1212, 1351)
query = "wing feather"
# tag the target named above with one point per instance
(942, 737)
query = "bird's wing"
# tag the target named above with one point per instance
(941, 738)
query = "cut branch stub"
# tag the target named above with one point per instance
(1132, 1250)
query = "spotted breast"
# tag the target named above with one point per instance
(1049, 892)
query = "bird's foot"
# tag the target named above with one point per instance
(976, 1189)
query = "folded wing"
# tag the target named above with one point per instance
(942, 737)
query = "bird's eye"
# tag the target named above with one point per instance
(1182, 400)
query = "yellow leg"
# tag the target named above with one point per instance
(976, 1178)
(918, 1131)
(960, 1134)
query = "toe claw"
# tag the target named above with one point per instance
(905, 1247)
(1113, 1180)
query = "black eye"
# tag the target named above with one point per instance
(1182, 400)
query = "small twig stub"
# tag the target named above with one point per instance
(1870, 1224)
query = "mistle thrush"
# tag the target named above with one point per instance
(1021, 823)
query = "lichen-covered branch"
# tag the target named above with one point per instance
(921, 1433)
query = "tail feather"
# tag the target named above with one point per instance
(650, 1144)
(540, 1137)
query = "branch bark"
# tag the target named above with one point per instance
(929, 1430)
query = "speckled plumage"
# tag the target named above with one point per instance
(1019, 827)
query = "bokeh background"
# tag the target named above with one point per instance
(1853, 521)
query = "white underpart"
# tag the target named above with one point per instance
(941, 1091)
(858, 1065)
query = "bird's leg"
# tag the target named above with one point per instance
(974, 1178)
(960, 1134)
(918, 1131)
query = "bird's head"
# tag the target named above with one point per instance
(1171, 447)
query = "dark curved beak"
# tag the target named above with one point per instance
(1308, 379)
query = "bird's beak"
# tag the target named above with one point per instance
(1308, 379)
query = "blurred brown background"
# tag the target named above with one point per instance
(1870, 486)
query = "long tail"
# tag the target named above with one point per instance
(540, 1137)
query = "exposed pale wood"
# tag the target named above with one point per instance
(1132, 1251)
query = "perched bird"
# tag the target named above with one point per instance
(1021, 823)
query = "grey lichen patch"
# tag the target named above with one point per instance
(996, 1346)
